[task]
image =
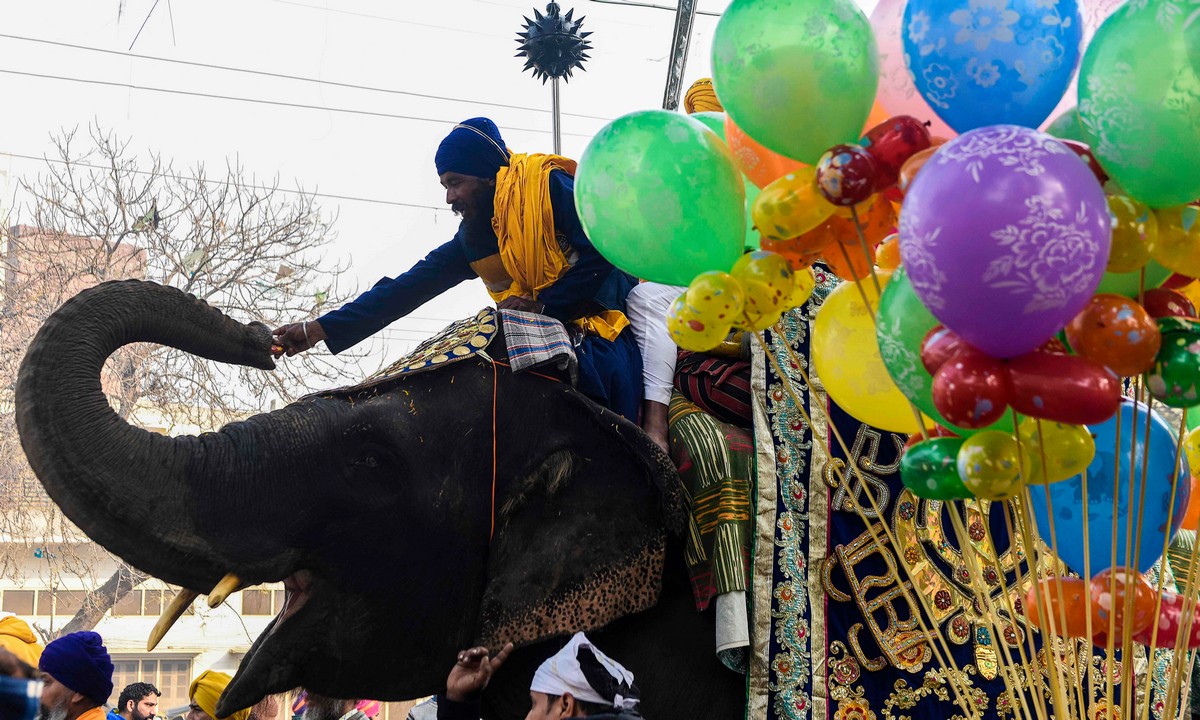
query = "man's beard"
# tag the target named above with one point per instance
(323, 708)
(136, 715)
(477, 219)
(58, 712)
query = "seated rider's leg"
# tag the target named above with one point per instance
(646, 307)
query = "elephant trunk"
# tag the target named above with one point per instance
(131, 490)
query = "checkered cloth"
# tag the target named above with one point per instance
(538, 341)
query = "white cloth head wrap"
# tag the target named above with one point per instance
(562, 674)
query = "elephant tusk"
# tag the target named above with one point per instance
(228, 585)
(174, 610)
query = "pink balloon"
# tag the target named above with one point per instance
(897, 92)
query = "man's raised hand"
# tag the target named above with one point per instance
(296, 337)
(471, 674)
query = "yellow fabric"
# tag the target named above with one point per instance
(206, 689)
(17, 637)
(701, 97)
(524, 224)
(607, 324)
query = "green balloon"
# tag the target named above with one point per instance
(1192, 416)
(1175, 378)
(798, 76)
(715, 121)
(901, 325)
(930, 469)
(660, 197)
(1139, 102)
(1067, 127)
(1127, 284)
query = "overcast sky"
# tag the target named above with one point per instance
(459, 51)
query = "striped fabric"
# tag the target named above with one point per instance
(719, 386)
(715, 460)
(535, 341)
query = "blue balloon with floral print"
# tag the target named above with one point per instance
(987, 62)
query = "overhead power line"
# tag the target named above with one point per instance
(277, 103)
(286, 76)
(633, 3)
(265, 188)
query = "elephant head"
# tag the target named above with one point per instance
(407, 520)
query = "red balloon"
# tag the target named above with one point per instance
(936, 431)
(1084, 151)
(1162, 302)
(1054, 346)
(846, 175)
(1064, 388)
(892, 143)
(939, 345)
(971, 389)
(1177, 281)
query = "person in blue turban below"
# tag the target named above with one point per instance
(77, 675)
(521, 235)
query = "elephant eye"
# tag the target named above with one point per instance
(369, 460)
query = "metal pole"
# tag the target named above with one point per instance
(557, 114)
(685, 17)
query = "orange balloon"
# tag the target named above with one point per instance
(1072, 610)
(1116, 332)
(760, 165)
(912, 166)
(887, 257)
(848, 261)
(1191, 515)
(877, 117)
(878, 219)
(1110, 591)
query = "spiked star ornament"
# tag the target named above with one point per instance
(552, 44)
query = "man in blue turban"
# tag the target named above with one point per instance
(77, 673)
(521, 235)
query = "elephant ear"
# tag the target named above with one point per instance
(581, 537)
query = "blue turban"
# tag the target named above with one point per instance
(474, 147)
(80, 662)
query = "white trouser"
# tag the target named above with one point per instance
(647, 306)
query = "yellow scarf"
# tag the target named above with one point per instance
(529, 249)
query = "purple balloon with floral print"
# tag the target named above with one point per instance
(983, 62)
(1005, 235)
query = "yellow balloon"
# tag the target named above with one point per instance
(1192, 292)
(716, 295)
(766, 278)
(1191, 448)
(1054, 451)
(846, 356)
(790, 206)
(990, 466)
(691, 330)
(1134, 227)
(1177, 243)
(803, 284)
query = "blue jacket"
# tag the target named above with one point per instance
(591, 285)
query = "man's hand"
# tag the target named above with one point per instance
(296, 337)
(471, 674)
(520, 304)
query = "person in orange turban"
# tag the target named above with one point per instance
(701, 97)
(204, 693)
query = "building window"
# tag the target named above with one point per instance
(170, 675)
(18, 602)
(256, 602)
(131, 604)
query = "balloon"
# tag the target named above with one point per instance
(971, 389)
(715, 121)
(1170, 618)
(1085, 154)
(1094, 12)
(1161, 302)
(1067, 126)
(878, 220)
(1128, 284)
(1063, 388)
(846, 175)
(1174, 379)
(1191, 514)
(1139, 102)
(930, 469)
(940, 344)
(660, 198)
(912, 166)
(803, 284)
(849, 262)
(983, 63)
(892, 143)
(897, 93)
(1176, 245)
(760, 165)
(1068, 601)
(887, 255)
(1117, 456)
(1116, 332)
(716, 295)
(1110, 592)
(1191, 449)
(847, 359)
(1007, 269)
(1133, 226)
(989, 464)
(790, 206)
(767, 281)
(1192, 292)
(774, 61)
(690, 331)
(903, 322)
(1054, 451)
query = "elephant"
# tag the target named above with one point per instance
(408, 520)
